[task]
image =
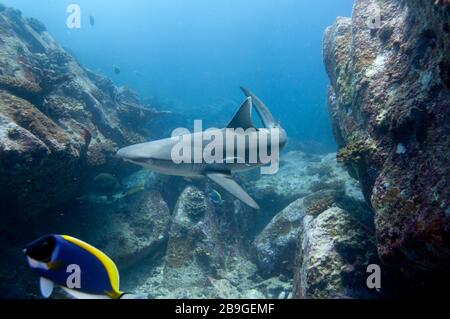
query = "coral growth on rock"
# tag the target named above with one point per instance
(333, 254)
(56, 119)
(300, 175)
(274, 249)
(60, 126)
(389, 101)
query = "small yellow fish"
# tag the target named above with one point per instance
(133, 191)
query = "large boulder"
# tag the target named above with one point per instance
(127, 230)
(274, 249)
(333, 254)
(389, 101)
(194, 251)
(206, 252)
(139, 228)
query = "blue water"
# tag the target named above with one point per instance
(196, 53)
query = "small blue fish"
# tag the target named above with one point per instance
(116, 70)
(53, 258)
(216, 198)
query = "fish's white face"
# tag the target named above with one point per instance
(35, 264)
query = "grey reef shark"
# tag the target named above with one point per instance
(237, 148)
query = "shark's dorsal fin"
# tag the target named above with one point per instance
(262, 109)
(243, 118)
(227, 182)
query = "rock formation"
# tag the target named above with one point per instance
(194, 251)
(60, 124)
(205, 255)
(275, 247)
(300, 175)
(333, 254)
(389, 101)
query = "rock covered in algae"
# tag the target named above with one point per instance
(132, 231)
(274, 249)
(389, 101)
(127, 230)
(300, 174)
(193, 250)
(141, 228)
(333, 253)
(206, 252)
(60, 124)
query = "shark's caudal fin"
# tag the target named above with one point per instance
(262, 109)
(230, 185)
(243, 118)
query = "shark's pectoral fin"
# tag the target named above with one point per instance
(243, 118)
(230, 185)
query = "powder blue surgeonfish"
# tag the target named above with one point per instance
(216, 198)
(57, 258)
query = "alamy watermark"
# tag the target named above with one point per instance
(74, 279)
(74, 19)
(252, 147)
(374, 279)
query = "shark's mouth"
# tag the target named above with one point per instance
(140, 160)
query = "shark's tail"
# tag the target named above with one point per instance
(262, 109)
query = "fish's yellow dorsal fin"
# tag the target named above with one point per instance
(110, 266)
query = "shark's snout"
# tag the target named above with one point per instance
(122, 153)
(137, 154)
(130, 153)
